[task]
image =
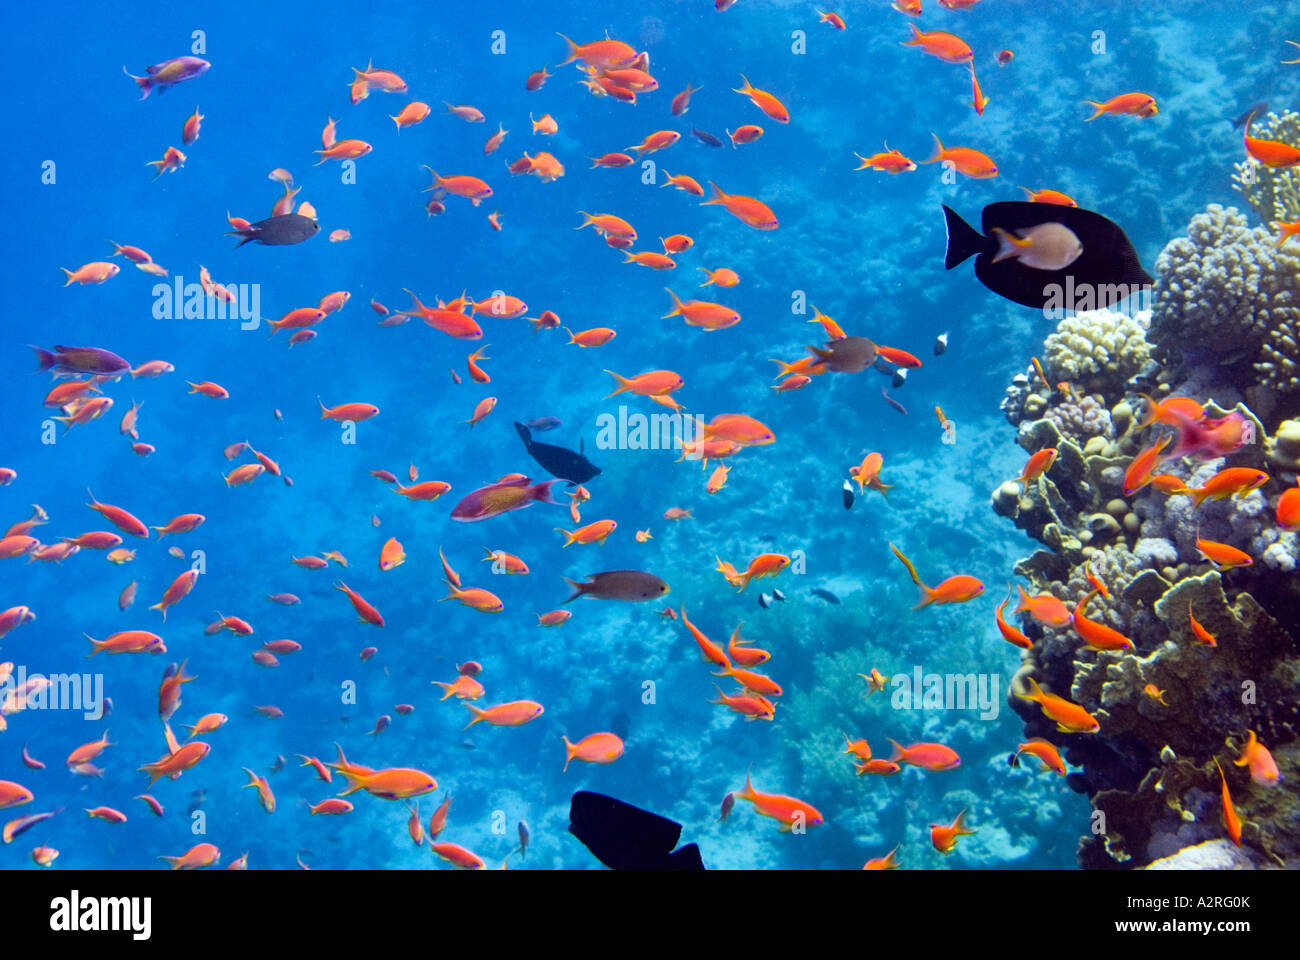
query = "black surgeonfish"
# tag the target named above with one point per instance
(1104, 271)
(557, 461)
(624, 837)
(278, 231)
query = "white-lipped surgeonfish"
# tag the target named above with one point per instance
(1044, 255)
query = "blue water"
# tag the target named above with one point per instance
(864, 247)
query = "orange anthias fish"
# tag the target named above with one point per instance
(891, 161)
(1201, 634)
(264, 793)
(1138, 104)
(1138, 473)
(750, 707)
(1288, 509)
(1163, 412)
(708, 649)
(945, 46)
(1069, 717)
(1009, 633)
(1230, 818)
(1286, 230)
(457, 856)
(464, 686)
(702, 313)
(177, 761)
(656, 383)
(1044, 608)
(927, 756)
(965, 160)
(1049, 196)
(594, 748)
(1096, 635)
(1045, 751)
(791, 813)
(1036, 466)
(1263, 768)
(1224, 556)
(956, 589)
(476, 598)
(764, 565)
(944, 836)
(513, 714)
(867, 475)
(747, 210)
(1230, 482)
(887, 862)
(199, 856)
(366, 612)
(978, 100)
(769, 104)
(1271, 153)
(859, 748)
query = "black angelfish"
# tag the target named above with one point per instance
(278, 231)
(624, 837)
(1102, 269)
(557, 461)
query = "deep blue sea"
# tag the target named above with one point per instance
(864, 247)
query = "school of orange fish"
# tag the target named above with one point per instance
(614, 69)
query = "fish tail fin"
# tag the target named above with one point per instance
(144, 83)
(963, 241)
(575, 52)
(479, 714)
(1152, 411)
(452, 590)
(623, 384)
(568, 537)
(70, 275)
(570, 751)
(446, 688)
(356, 781)
(938, 149)
(1099, 109)
(44, 359)
(542, 491)
(717, 197)
(1036, 692)
(677, 305)
(959, 825)
(897, 753)
(747, 792)
(578, 588)
(747, 85)
(916, 37)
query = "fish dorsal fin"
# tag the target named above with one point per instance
(172, 745)
(581, 442)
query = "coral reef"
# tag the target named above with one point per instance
(1098, 350)
(1274, 193)
(1224, 291)
(1225, 316)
